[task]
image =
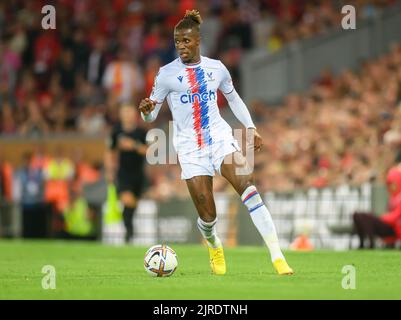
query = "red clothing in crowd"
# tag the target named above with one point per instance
(393, 181)
(6, 172)
(393, 217)
(47, 50)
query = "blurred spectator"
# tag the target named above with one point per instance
(66, 71)
(35, 212)
(9, 66)
(210, 29)
(235, 33)
(165, 49)
(26, 89)
(58, 173)
(388, 225)
(18, 41)
(6, 180)
(40, 158)
(57, 118)
(97, 62)
(152, 68)
(91, 121)
(263, 28)
(47, 49)
(35, 125)
(326, 78)
(123, 79)
(79, 217)
(80, 51)
(8, 124)
(85, 94)
(85, 173)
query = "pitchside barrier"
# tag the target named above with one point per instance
(325, 215)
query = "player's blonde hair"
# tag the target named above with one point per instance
(192, 20)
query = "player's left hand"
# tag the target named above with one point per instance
(257, 139)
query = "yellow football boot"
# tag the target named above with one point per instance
(217, 261)
(282, 267)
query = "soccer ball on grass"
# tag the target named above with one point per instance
(160, 261)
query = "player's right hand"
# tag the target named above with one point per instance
(146, 106)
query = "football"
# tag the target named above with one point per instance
(160, 261)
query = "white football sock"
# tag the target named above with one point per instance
(208, 231)
(263, 221)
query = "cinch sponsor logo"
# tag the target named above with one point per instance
(200, 97)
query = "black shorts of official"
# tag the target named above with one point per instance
(126, 183)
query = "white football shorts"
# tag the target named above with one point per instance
(206, 161)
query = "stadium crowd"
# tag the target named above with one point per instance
(104, 53)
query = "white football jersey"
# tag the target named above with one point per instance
(191, 92)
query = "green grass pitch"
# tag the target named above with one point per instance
(95, 271)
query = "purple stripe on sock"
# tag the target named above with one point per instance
(256, 207)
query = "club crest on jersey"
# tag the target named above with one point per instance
(200, 97)
(180, 78)
(209, 74)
